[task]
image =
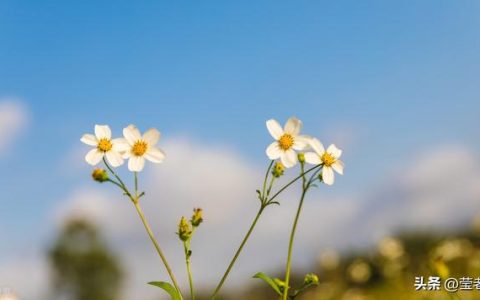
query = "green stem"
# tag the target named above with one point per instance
(157, 246)
(186, 247)
(230, 266)
(290, 245)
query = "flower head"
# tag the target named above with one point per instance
(329, 159)
(100, 175)
(104, 145)
(278, 169)
(184, 229)
(141, 147)
(287, 140)
(310, 279)
(197, 217)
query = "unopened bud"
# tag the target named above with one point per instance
(100, 175)
(184, 229)
(196, 217)
(310, 279)
(301, 157)
(278, 169)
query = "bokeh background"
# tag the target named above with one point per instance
(394, 84)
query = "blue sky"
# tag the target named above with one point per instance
(388, 80)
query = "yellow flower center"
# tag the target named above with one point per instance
(104, 145)
(328, 159)
(286, 141)
(139, 148)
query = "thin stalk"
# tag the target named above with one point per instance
(157, 247)
(244, 241)
(292, 182)
(186, 247)
(134, 200)
(290, 244)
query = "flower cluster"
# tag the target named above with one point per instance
(288, 140)
(133, 146)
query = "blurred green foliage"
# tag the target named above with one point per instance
(387, 271)
(83, 268)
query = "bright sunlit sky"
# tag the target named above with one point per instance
(385, 81)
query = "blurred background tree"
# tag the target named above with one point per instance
(83, 267)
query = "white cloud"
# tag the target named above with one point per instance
(13, 120)
(439, 189)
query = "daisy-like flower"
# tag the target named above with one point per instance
(329, 159)
(287, 140)
(142, 147)
(104, 145)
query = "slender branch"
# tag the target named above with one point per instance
(157, 247)
(290, 244)
(186, 247)
(292, 182)
(230, 266)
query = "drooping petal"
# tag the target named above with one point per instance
(103, 132)
(114, 158)
(155, 155)
(312, 158)
(327, 175)
(273, 151)
(136, 163)
(120, 145)
(151, 136)
(89, 139)
(131, 134)
(274, 128)
(332, 149)
(94, 156)
(289, 158)
(301, 142)
(338, 166)
(293, 126)
(317, 146)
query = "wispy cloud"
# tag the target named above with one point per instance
(14, 118)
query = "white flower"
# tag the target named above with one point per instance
(287, 140)
(329, 159)
(142, 147)
(104, 146)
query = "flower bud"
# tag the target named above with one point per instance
(184, 229)
(278, 169)
(301, 157)
(196, 217)
(100, 175)
(310, 279)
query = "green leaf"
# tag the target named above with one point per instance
(167, 287)
(269, 281)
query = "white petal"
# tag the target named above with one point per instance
(155, 155)
(312, 158)
(273, 151)
(333, 150)
(114, 158)
(94, 156)
(338, 166)
(289, 158)
(103, 132)
(136, 163)
(301, 142)
(151, 136)
(328, 176)
(274, 128)
(120, 145)
(89, 139)
(131, 134)
(293, 126)
(317, 146)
